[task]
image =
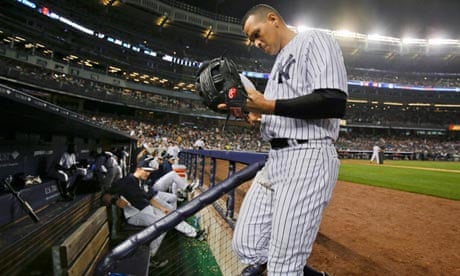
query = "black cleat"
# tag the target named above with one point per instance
(309, 271)
(254, 270)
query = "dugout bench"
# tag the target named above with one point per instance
(78, 252)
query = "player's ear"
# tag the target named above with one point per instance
(273, 18)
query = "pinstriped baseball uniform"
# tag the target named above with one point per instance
(281, 213)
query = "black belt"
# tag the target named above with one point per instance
(279, 143)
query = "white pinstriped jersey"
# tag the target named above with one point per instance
(311, 60)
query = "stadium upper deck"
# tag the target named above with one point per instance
(186, 32)
(72, 33)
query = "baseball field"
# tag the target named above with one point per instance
(404, 221)
(441, 179)
(399, 218)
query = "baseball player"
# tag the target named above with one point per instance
(304, 97)
(375, 154)
(142, 205)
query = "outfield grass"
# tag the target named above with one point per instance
(412, 176)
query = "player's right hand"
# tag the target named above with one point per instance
(257, 103)
(252, 118)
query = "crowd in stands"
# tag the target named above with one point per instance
(385, 115)
(375, 114)
(98, 90)
(186, 134)
(247, 139)
(419, 148)
(404, 78)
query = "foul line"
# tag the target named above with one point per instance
(421, 168)
(399, 166)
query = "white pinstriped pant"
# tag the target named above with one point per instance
(281, 213)
(149, 215)
(170, 181)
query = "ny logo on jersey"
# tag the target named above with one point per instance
(283, 69)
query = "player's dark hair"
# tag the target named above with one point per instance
(260, 10)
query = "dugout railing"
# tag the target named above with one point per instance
(195, 161)
(219, 173)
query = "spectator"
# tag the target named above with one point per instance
(199, 143)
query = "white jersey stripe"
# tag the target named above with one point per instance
(320, 67)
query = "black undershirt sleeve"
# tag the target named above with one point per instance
(321, 104)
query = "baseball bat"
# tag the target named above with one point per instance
(24, 204)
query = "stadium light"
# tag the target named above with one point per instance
(110, 3)
(377, 37)
(357, 101)
(414, 41)
(113, 69)
(392, 103)
(302, 28)
(439, 41)
(419, 104)
(349, 34)
(208, 33)
(447, 105)
(162, 20)
(30, 4)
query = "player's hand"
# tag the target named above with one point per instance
(122, 203)
(223, 106)
(256, 103)
(252, 118)
(165, 210)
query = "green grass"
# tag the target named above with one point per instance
(435, 183)
(426, 164)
